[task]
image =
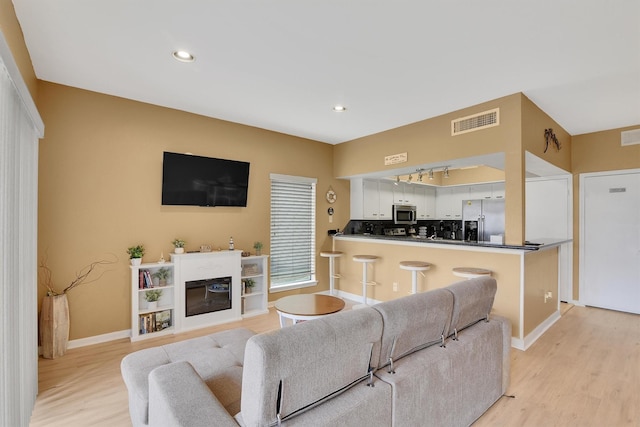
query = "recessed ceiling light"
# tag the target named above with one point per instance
(339, 108)
(183, 56)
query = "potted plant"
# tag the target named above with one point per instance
(258, 247)
(178, 244)
(152, 296)
(248, 285)
(135, 254)
(162, 275)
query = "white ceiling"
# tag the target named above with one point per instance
(282, 65)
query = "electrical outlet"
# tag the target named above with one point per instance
(547, 296)
(395, 286)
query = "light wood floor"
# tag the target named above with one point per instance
(584, 371)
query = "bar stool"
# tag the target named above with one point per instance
(332, 255)
(414, 267)
(365, 260)
(471, 272)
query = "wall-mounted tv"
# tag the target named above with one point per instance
(189, 180)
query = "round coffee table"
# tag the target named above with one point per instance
(306, 307)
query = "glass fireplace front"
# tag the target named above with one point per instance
(207, 295)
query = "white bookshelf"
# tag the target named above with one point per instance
(149, 322)
(255, 268)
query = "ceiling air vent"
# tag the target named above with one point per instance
(630, 137)
(479, 121)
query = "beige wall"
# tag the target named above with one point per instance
(13, 35)
(540, 276)
(596, 152)
(100, 186)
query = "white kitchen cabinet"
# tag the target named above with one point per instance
(479, 191)
(486, 191)
(449, 202)
(404, 194)
(497, 190)
(425, 201)
(377, 200)
(385, 190)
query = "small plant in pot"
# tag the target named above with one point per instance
(162, 275)
(135, 254)
(152, 296)
(178, 244)
(248, 285)
(258, 247)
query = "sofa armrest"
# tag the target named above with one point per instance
(178, 397)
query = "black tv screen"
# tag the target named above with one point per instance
(189, 180)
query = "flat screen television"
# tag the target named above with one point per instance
(189, 180)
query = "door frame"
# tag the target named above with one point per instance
(581, 250)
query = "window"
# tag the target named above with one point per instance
(293, 237)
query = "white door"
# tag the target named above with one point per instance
(610, 240)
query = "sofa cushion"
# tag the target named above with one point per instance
(300, 365)
(217, 358)
(413, 322)
(472, 301)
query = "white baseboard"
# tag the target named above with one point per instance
(524, 344)
(98, 339)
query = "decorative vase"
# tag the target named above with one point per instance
(152, 305)
(179, 250)
(136, 261)
(258, 252)
(54, 326)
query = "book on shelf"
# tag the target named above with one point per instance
(144, 279)
(154, 322)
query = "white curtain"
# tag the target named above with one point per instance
(20, 129)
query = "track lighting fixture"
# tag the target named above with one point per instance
(431, 174)
(420, 175)
(409, 179)
(446, 172)
(397, 180)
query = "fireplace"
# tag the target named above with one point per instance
(207, 295)
(207, 288)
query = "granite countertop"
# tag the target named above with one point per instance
(533, 246)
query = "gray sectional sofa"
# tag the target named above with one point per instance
(435, 358)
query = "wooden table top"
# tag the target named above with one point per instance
(309, 304)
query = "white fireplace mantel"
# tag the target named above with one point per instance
(206, 265)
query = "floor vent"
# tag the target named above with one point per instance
(479, 121)
(630, 137)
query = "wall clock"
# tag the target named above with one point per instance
(331, 195)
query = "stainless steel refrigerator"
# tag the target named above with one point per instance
(482, 218)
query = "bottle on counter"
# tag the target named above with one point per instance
(230, 243)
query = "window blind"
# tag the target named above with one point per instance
(293, 207)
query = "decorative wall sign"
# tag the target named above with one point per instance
(395, 159)
(549, 136)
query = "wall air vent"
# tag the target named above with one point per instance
(630, 137)
(475, 122)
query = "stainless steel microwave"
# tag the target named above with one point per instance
(405, 214)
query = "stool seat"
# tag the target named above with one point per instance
(471, 272)
(332, 255)
(365, 260)
(414, 267)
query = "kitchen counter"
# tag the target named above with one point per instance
(411, 240)
(527, 275)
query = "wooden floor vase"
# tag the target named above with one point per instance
(54, 326)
